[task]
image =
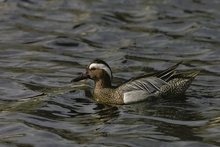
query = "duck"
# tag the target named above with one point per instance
(168, 83)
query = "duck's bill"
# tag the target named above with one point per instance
(81, 77)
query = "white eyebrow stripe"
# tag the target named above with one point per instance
(101, 66)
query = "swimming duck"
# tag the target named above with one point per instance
(168, 84)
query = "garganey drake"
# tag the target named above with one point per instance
(167, 84)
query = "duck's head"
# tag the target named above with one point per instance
(96, 70)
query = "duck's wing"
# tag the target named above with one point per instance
(148, 84)
(140, 89)
(167, 83)
(165, 75)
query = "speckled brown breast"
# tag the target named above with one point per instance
(108, 95)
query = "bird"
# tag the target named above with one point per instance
(168, 83)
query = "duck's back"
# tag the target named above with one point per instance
(168, 84)
(140, 89)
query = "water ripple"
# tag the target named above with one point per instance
(45, 44)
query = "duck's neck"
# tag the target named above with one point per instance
(103, 83)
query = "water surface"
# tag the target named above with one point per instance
(44, 44)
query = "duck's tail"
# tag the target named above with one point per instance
(194, 73)
(178, 83)
(171, 73)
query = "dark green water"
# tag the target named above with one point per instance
(44, 44)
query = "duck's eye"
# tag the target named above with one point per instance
(93, 68)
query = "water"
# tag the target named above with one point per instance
(44, 44)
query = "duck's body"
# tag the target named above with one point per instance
(167, 83)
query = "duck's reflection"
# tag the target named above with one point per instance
(165, 119)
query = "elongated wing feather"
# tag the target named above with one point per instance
(165, 75)
(140, 89)
(150, 85)
(165, 83)
(168, 73)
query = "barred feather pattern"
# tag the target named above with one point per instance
(140, 89)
